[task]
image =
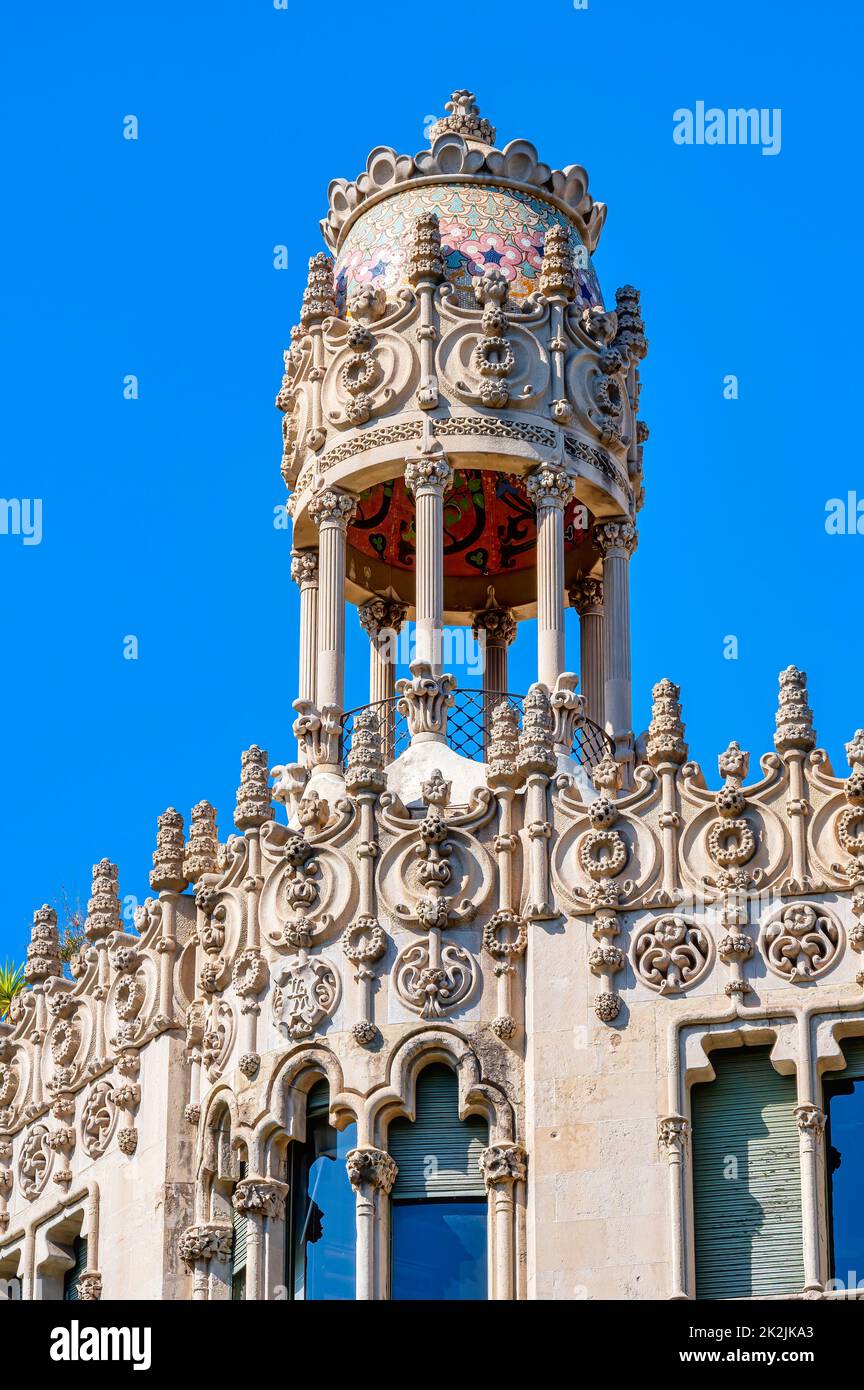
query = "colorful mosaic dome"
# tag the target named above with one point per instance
(480, 226)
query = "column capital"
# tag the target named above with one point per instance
(550, 486)
(332, 507)
(379, 615)
(810, 1120)
(260, 1197)
(672, 1131)
(497, 622)
(209, 1241)
(430, 473)
(586, 595)
(618, 534)
(371, 1168)
(304, 567)
(425, 700)
(503, 1164)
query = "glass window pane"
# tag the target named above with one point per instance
(438, 1250)
(323, 1213)
(845, 1164)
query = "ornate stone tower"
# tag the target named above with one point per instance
(486, 1003)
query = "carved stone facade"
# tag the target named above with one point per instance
(570, 925)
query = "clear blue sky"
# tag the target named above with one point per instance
(155, 258)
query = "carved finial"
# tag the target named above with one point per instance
(855, 751)
(425, 261)
(854, 785)
(630, 337)
(666, 730)
(202, 850)
(734, 764)
(254, 805)
(436, 789)
(502, 753)
(464, 119)
(607, 775)
(794, 715)
(103, 908)
(167, 873)
(319, 301)
(43, 952)
(558, 275)
(364, 766)
(536, 741)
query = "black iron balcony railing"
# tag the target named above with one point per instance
(467, 725)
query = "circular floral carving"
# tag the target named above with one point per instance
(64, 1042)
(364, 1032)
(505, 935)
(731, 843)
(8, 1083)
(97, 1119)
(504, 1027)
(364, 941)
(129, 997)
(801, 941)
(602, 853)
(849, 827)
(358, 374)
(249, 975)
(671, 953)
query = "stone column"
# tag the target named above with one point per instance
(382, 619)
(370, 1171)
(617, 540)
(499, 627)
(261, 1201)
(428, 478)
(502, 1166)
(672, 1135)
(550, 489)
(304, 572)
(811, 1129)
(586, 596)
(331, 512)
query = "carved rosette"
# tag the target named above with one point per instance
(202, 850)
(364, 942)
(801, 941)
(103, 907)
(505, 937)
(167, 873)
(502, 1165)
(254, 804)
(371, 1168)
(425, 700)
(671, 953)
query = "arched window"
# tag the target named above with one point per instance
(321, 1238)
(438, 1204)
(844, 1106)
(72, 1277)
(746, 1179)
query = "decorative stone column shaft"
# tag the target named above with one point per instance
(261, 1201)
(550, 489)
(499, 628)
(672, 1134)
(382, 619)
(370, 1171)
(502, 1166)
(586, 596)
(617, 542)
(428, 479)
(811, 1128)
(304, 572)
(331, 512)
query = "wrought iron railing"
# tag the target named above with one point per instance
(467, 727)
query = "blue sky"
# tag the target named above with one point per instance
(155, 258)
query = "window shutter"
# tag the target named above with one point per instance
(748, 1229)
(438, 1155)
(853, 1051)
(72, 1277)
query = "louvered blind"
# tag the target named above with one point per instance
(438, 1154)
(72, 1277)
(853, 1051)
(748, 1227)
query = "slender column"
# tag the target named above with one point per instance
(617, 541)
(502, 1166)
(382, 619)
(586, 596)
(499, 628)
(304, 572)
(370, 1171)
(428, 478)
(261, 1201)
(331, 512)
(550, 489)
(672, 1133)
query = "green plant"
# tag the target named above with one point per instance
(71, 918)
(12, 982)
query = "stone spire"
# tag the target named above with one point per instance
(425, 261)
(103, 908)
(465, 120)
(254, 803)
(557, 276)
(666, 730)
(364, 768)
(43, 952)
(167, 872)
(536, 741)
(319, 301)
(502, 754)
(794, 715)
(630, 338)
(202, 848)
